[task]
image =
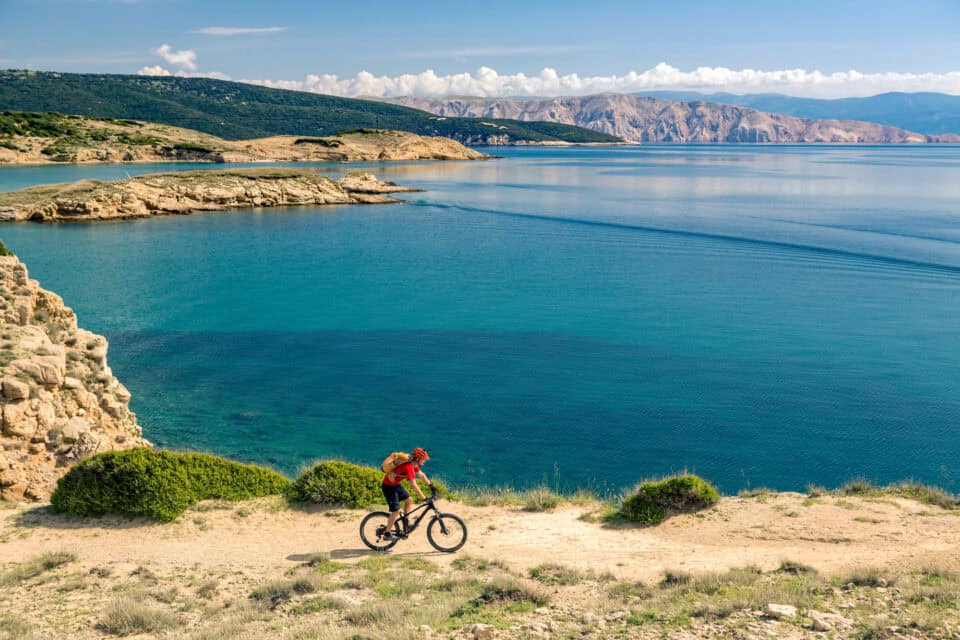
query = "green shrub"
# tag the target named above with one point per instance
(4, 251)
(334, 482)
(653, 502)
(158, 484)
(323, 142)
(192, 146)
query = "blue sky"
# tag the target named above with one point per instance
(594, 44)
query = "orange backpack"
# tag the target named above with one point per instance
(394, 460)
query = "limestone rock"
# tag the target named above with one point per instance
(781, 611)
(59, 400)
(15, 390)
(179, 193)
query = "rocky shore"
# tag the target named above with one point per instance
(190, 191)
(60, 401)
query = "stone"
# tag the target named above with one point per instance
(780, 611)
(481, 631)
(19, 419)
(13, 389)
(74, 429)
(825, 622)
(71, 383)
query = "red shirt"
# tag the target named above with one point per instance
(406, 471)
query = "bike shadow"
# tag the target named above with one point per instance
(346, 554)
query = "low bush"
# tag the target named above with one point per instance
(323, 142)
(338, 483)
(192, 146)
(126, 616)
(158, 484)
(653, 502)
(335, 482)
(4, 251)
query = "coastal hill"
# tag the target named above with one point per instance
(37, 138)
(60, 401)
(235, 110)
(185, 192)
(640, 119)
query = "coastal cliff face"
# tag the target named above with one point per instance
(58, 138)
(60, 401)
(189, 191)
(639, 119)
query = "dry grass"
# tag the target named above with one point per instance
(36, 566)
(126, 616)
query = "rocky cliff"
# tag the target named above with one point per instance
(639, 119)
(60, 401)
(189, 191)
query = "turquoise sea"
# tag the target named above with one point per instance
(763, 316)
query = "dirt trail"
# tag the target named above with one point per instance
(260, 537)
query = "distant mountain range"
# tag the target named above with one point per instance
(234, 110)
(645, 119)
(930, 113)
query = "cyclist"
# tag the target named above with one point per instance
(394, 492)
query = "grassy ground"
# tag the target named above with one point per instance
(70, 593)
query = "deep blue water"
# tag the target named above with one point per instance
(760, 315)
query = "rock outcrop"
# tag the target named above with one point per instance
(639, 119)
(60, 401)
(190, 191)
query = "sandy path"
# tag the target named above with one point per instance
(257, 538)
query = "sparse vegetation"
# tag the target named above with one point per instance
(158, 484)
(273, 593)
(4, 251)
(556, 574)
(126, 616)
(655, 501)
(34, 567)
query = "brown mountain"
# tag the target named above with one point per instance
(640, 119)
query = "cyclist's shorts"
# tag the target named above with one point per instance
(394, 495)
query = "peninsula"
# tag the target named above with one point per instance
(189, 191)
(44, 138)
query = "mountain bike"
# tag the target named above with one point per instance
(445, 531)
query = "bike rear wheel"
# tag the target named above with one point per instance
(372, 528)
(447, 532)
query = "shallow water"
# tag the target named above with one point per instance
(587, 317)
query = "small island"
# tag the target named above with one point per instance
(190, 191)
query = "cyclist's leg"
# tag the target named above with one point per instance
(393, 503)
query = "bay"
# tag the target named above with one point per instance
(584, 317)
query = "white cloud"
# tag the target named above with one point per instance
(155, 70)
(488, 83)
(185, 59)
(237, 31)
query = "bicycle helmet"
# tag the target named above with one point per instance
(420, 454)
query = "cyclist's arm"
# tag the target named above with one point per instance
(425, 478)
(416, 488)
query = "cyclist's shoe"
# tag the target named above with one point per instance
(389, 535)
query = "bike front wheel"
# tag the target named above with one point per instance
(374, 526)
(447, 532)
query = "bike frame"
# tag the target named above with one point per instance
(426, 507)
